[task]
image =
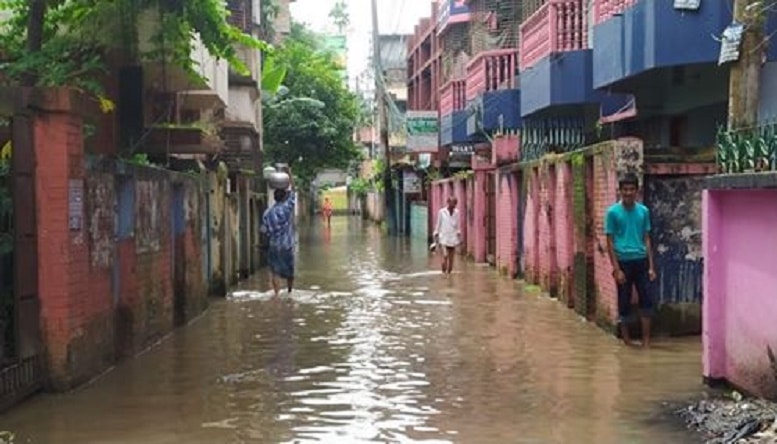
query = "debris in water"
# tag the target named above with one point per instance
(733, 420)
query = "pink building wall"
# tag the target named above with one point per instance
(506, 149)
(507, 222)
(740, 288)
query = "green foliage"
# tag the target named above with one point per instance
(749, 149)
(77, 35)
(139, 159)
(273, 75)
(360, 186)
(310, 127)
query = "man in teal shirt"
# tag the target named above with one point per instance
(627, 226)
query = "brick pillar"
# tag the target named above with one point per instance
(611, 161)
(62, 252)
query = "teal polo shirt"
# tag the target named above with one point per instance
(628, 228)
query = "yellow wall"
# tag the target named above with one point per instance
(338, 197)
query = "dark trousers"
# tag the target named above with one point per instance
(637, 276)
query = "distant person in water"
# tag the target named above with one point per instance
(278, 225)
(326, 211)
(627, 226)
(447, 234)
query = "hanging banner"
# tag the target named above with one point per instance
(690, 5)
(729, 46)
(411, 183)
(422, 131)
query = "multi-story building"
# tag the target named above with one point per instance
(393, 54)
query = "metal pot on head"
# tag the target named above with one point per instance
(279, 180)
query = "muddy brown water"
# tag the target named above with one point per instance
(377, 346)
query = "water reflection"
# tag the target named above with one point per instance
(375, 347)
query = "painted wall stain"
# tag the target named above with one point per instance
(100, 201)
(147, 213)
(675, 205)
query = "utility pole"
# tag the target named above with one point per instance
(745, 77)
(380, 92)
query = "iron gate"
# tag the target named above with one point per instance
(491, 218)
(21, 366)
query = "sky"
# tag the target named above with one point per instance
(394, 17)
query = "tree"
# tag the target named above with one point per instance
(65, 42)
(339, 15)
(311, 126)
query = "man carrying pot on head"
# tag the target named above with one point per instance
(278, 225)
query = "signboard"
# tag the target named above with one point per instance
(75, 207)
(411, 183)
(729, 46)
(422, 131)
(451, 12)
(464, 150)
(691, 5)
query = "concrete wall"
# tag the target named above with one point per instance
(740, 279)
(373, 207)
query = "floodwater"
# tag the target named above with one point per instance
(377, 346)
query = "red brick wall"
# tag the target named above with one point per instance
(506, 222)
(605, 186)
(613, 159)
(85, 325)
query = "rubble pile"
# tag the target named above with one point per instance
(733, 420)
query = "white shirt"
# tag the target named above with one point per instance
(448, 227)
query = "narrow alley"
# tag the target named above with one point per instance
(378, 346)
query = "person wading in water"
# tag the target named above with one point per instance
(326, 211)
(447, 234)
(627, 226)
(278, 225)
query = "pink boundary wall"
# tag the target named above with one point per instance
(507, 222)
(740, 288)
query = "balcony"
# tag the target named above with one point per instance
(453, 96)
(165, 140)
(558, 81)
(648, 35)
(558, 26)
(453, 129)
(491, 71)
(208, 90)
(605, 9)
(495, 112)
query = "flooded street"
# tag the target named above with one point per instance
(378, 346)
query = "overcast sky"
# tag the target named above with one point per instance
(394, 17)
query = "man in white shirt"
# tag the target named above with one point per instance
(447, 234)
